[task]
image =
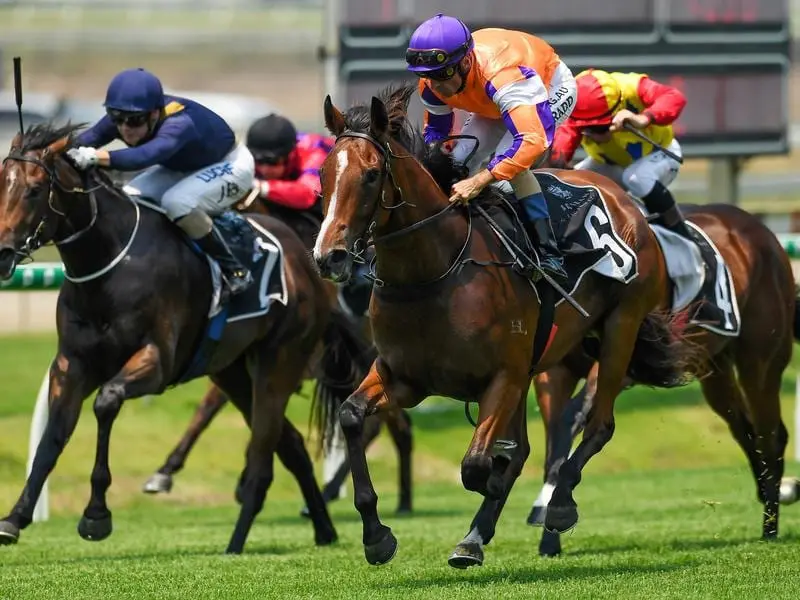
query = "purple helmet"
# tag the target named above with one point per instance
(438, 43)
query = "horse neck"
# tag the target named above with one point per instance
(89, 241)
(427, 252)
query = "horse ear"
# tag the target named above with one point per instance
(334, 120)
(17, 141)
(56, 147)
(378, 119)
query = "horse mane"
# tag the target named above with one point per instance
(41, 135)
(440, 164)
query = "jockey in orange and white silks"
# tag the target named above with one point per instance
(516, 89)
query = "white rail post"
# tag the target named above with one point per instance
(40, 412)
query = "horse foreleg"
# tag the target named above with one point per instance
(563, 418)
(377, 392)
(275, 375)
(294, 456)
(141, 375)
(507, 467)
(69, 385)
(619, 337)
(497, 406)
(161, 480)
(400, 430)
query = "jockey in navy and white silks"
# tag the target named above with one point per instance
(193, 165)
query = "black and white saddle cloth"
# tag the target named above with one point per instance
(701, 280)
(585, 231)
(587, 235)
(261, 252)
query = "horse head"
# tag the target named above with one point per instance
(32, 175)
(360, 182)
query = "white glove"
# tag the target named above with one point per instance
(262, 186)
(83, 157)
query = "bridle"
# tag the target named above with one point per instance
(34, 241)
(361, 243)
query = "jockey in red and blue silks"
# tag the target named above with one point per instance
(287, 162)
(194, 167)
(287, 175)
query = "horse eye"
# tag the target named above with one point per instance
(371, 176)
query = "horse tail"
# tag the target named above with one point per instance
(346, 358)
(664, 356)
(797, 314)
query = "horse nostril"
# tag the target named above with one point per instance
(337, 257)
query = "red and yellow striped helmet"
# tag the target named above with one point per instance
(599, 97)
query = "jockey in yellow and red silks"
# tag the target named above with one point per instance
(608, 101)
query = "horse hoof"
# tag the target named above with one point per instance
(403, 511)
(305, 513)
(382, 551)
(466, 554)
(789, 490)
(550, 545)
(537, 516)
(326, 538)
(95, 530)
(157, 484)
(9, 533)
(560, 519)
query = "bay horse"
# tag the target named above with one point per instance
(130, 317)
(450, 318)
(343, 367)
(742, 380)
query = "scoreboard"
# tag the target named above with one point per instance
(729, 57)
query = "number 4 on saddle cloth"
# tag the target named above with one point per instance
(588, 239)
(258, 250)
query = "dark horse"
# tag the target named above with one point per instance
(742, 380)
(451, 318)
(342, 369)
(129, 320)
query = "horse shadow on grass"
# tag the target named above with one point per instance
(535, 573)
(680, 545)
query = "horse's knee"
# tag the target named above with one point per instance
(108, 401)
(351, 417)
(475, 471)
(523, 452)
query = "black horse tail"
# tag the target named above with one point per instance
(664, 356)
(346, 358)
(797, 314)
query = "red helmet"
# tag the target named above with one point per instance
(599, 98)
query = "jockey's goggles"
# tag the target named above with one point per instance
(433, 59)
(121, 117)
(440, 75)
(265, 157)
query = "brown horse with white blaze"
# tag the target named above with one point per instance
(450, 318)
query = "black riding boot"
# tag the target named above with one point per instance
(552, 261)
(660, 201)
(237, 276)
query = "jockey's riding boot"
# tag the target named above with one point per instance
(550, 257)
(237, 276)
(661, 201)
(540, 230)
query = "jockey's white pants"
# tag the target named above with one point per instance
(212, 189)
(639, 177)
